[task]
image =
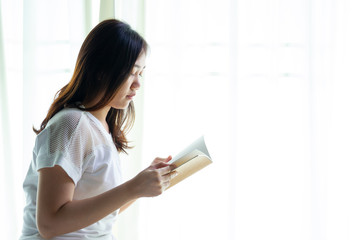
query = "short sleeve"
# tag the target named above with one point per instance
(65, 142)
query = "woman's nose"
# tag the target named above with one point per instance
(136, 83)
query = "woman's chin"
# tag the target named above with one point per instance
(121, 106)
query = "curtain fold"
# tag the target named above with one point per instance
(8, 206)
(107, 10)
(41, 50)
(283, 116)
(39, 42)
(127, 227)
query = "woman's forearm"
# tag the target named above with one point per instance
(57, 212)
(78, 214)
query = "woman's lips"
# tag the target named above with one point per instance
(131, 96)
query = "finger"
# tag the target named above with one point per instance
(160, 165)
(173, 167)
(165, 185)
(164, 170)
(169, 176)
(158, 160)
(168, 158)
(173, 174)
(166, 178)
(164, 164)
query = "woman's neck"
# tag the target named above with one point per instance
(100, 114)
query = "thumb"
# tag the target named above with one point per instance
(157, 160)
(167, 159)
(160, 165)
(163, 164)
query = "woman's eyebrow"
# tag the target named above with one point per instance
(138, 66)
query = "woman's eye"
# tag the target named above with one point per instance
(140, 74)
(137, 74)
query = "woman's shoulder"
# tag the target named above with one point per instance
(66, 116)
(66, 121)
(74, 123)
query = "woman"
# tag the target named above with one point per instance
(73, 187)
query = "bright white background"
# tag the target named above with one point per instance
(273, 84)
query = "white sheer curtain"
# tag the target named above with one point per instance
(8, 170)
(10, 115)
(39, 42)
(274, 86)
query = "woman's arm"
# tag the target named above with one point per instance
(156, 161)
(58, 213)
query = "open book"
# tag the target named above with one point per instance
(190, 160)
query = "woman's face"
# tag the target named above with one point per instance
(128, 90)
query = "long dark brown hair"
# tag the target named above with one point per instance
(105, 61)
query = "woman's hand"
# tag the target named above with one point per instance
(153, 180)
(161, 160)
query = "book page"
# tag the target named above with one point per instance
(190, 160)
(199, 145)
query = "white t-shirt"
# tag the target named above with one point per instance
(76, 141)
